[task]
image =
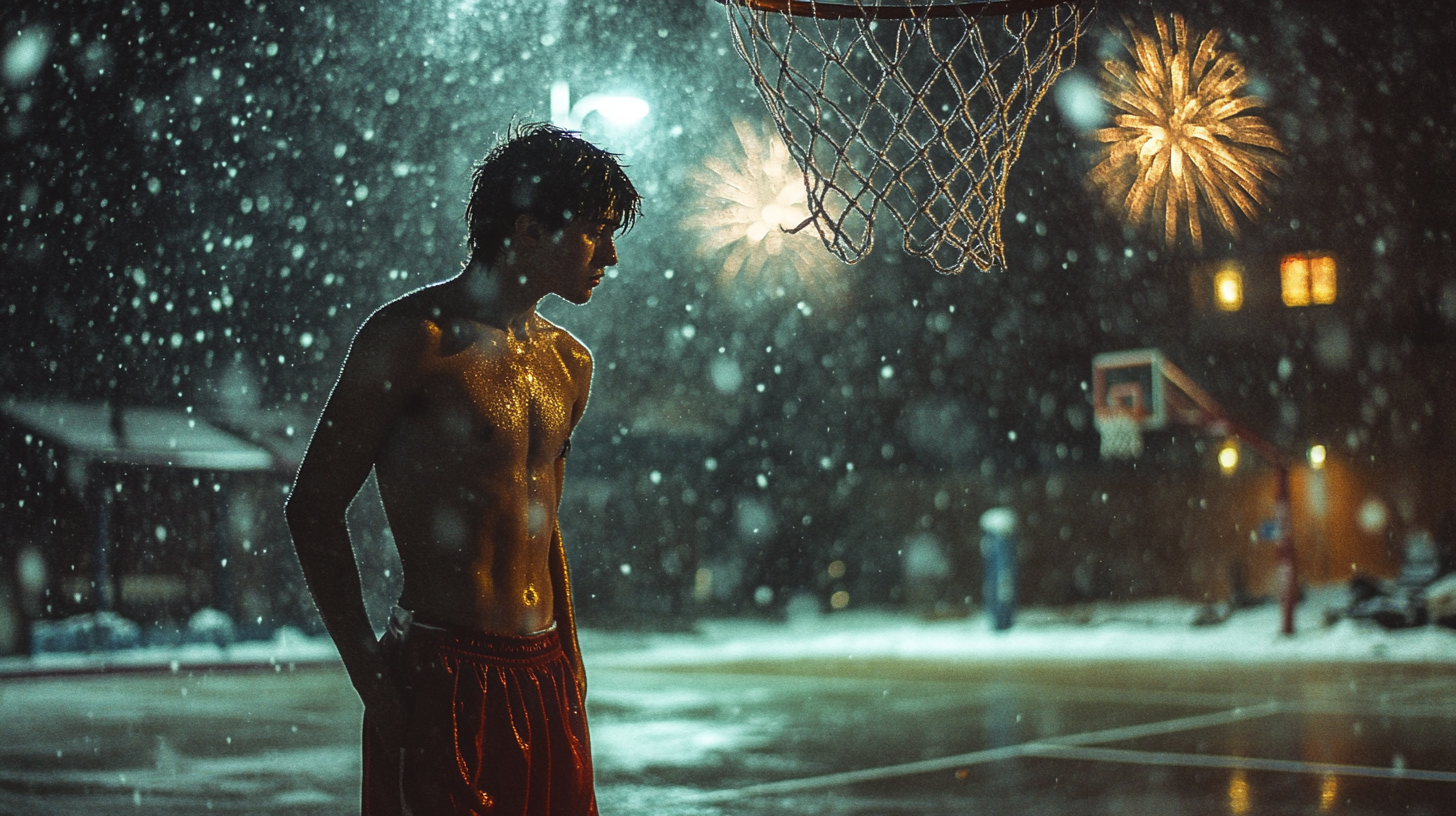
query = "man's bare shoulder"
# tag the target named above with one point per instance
(573, 352)
(395, 340)
(408, 324)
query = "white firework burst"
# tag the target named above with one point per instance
(752, 194)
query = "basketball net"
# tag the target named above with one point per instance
(1122, 436)
(920, 110)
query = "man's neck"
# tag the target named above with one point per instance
(495, 296)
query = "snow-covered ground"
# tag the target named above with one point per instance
(288, 646)
(1145, 630)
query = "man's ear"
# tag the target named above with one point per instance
(527, 231)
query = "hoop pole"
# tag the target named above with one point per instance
(1219, 416)
(842, 11)
(1284, 541)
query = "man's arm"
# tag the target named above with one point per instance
(563, 609)
(379, 375)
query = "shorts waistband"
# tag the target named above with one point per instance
(473, 643)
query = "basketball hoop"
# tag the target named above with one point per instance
(1141, 389)
(919, 109)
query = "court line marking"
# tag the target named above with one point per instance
(1078, 694)
(1074, 694)
(1353, 708)
(1247, 763)
(992, 754)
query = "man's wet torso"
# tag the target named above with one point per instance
(469, 474)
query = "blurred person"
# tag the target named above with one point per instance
(462, 400)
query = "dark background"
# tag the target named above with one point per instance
(203, 202)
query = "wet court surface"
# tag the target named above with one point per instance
(784, 736)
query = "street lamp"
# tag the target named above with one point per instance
(619, 110)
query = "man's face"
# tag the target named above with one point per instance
(574, 259)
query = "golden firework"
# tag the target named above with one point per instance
(751, 193)
(1183, 135)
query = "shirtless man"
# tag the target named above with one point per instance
(462, 400)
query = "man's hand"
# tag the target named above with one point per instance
(384, 706)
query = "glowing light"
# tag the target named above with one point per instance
(618, 110)
(1228, 289)
(1329, 791)
(623, 110)
(1317, 456)
(839, 600)
(1183, 138)
(1238, 792)
(1228, 458)
(836, 569)
(753, 192)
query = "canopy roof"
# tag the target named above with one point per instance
(167, 437)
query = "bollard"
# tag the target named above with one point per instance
(998, 555)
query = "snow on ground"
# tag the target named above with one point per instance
(288, 646)
(1147, 630)
(1144, 630)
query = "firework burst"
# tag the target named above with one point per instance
(1183, 137)
(752, 192)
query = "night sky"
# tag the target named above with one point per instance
(202, 197)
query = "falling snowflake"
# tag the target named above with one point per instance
(1183, 136)
(752, 195)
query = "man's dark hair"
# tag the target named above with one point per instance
(551, 174)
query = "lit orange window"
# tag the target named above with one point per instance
(1294, 280)
(1322, 279)
(1307, 279)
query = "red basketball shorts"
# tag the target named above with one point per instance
(495, 726)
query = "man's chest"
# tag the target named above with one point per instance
(502, 395)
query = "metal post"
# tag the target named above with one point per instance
(221, 552)
(1288, 586)
(102, 572)
(998, 554)
(1283, 522)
